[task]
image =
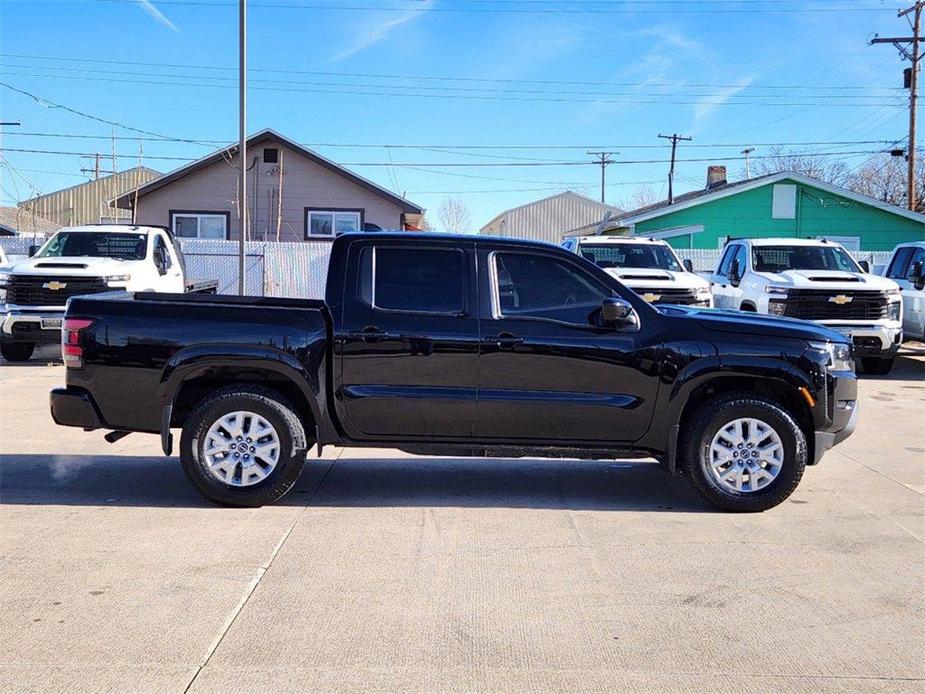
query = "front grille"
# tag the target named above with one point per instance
(851, 304)
(668, 296)
(35, 291)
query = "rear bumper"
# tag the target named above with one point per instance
(72, 407)
(19, 325)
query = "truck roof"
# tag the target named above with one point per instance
(786, 242)
(117, 228)
(621, 239)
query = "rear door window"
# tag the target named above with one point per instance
(413, 280)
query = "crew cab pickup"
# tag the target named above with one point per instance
(814, 280)
(84, 260)
(647, 266)
(455, 345)
(907, 269)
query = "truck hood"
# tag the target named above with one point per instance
(757, 324)
(89, 267)
(657, 279)
(828, 279)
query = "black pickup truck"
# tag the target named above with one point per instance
(458, 345)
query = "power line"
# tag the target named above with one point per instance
(603, 159)
(675, 139)
(575, 8)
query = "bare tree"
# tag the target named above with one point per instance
(884, 178)
(643, 196)
(454, 215)
(804, 163)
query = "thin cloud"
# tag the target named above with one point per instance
(708, 104)
(381, 30)
(149, 7)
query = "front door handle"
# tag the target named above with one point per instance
(369, 334)
(505, 340)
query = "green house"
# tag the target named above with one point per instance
(777, 205)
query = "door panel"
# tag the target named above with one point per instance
(554, 380)
(407, 373)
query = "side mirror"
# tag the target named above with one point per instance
(735, 274)
(33, 249)
(865, 266)
(916, 276)
(160, 261)
(688, 264)
(619, 313)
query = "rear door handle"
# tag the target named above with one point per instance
(369, 334)
(505, 340)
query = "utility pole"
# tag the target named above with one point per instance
(242, 138)
(603, 159)
(675, 139)
(746, 152)
(908, 47)
(97, 171)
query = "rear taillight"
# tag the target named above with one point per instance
(71, 350)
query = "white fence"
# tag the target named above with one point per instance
(271, 269)
(300, 269)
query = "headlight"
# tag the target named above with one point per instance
(777, 308)
(118, 278)
(772, 289)
(703, 293)
(840, 358)
(894, 310)
(4, 278)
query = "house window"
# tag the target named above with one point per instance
(199, 225)
(332, 222)
(270, 155)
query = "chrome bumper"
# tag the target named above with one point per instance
(41, 324)
(866, 337)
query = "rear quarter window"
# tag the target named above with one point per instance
(413, 280)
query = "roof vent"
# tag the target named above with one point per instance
(716, 177)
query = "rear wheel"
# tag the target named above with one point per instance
(877, 365)
(16, 351)
(243, 446)
(743, 452)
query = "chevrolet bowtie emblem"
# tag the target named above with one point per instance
(650, 297)
(840, 299)
(54, 285)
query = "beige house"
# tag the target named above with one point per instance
(293, 194)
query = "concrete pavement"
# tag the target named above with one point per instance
(390, 572)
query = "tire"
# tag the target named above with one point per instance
(204, 470)
(17, 351)
(790, 447)
(748, 308)
(877, 366)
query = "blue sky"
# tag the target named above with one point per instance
(451, 73)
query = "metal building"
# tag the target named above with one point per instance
(88, 203)
(552, 218)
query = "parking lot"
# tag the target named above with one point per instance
(384, 571)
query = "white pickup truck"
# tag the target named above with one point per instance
(647, 266)
(815, 280)
(84, 260)
(907, 269)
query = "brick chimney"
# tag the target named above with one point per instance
(716, 177)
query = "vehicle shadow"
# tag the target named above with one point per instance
(909, 366)
(95, 480)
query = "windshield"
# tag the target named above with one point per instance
(781, 258)
(96, 244)
(631, 255)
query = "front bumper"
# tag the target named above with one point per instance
(40, 325)
(74, 407)
(870, 340)
(841, 414)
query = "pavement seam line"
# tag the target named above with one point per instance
(258, 576)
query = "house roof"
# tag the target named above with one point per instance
(119, 178)
(566, 193)
(698, 197)
(126, 200)
(19, 221)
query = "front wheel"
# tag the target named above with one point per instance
(243, 446)
(743, 452)
(16, 351)
(877, 366)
